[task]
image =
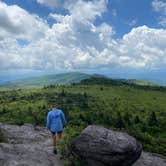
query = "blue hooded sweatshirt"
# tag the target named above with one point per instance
(55, 120)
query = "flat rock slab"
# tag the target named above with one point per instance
(27, 145)
(150, 159)
(99, 146)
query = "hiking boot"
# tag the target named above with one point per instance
(55, 151)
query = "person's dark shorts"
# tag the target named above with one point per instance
(58, 132)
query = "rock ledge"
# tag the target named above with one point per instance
(26, 145)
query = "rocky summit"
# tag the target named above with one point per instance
(26, 145)
(31, 146)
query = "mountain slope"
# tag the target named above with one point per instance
(109, 81)
(64, 78)
(139, 82)
(69, 78)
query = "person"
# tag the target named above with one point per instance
(55, 123)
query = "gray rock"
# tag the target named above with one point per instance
(31, 146)
(99, 146)
(150, 159)
(27, 145)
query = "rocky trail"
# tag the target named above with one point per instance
(27, 146)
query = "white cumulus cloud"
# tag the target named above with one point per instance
(75, 42)
(160, 6)
(52, 3)
(15, 21)
(133, 22)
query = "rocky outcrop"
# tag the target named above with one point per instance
(31, 146)
(150, 159)
(99, 146)
(26, 145)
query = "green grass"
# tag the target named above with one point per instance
(141, 83)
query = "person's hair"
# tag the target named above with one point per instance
(54, 105)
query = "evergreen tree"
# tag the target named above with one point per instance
(101, 88)
(44, 107)
(85, 95)
(30, 111)
(63, 93)
(152, 119)
(4, 110)
(119, 121)
(127, 118)
(136, 119)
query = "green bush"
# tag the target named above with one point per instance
(64, 146)
(2, 137)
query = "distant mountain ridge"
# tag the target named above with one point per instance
(64, 78)
(106, 81)
(69, 78)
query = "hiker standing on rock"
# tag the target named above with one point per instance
(55, 123)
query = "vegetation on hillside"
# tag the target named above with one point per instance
(38, 82)
(138, 110)
(66, 79)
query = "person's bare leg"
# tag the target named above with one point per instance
(54, 141)
(59, 136)
(60, 141)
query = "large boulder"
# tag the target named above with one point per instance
(150, 159)
(99, 146)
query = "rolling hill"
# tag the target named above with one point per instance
(64, 78)
(109, 81)
(67, 79)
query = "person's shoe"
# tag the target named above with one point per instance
(55, 151)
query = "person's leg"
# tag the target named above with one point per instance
(54, 140)
(59, 136)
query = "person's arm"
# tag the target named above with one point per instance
(48, 121)
(63, 119)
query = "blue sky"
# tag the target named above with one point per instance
(101, 36)
(120, 13)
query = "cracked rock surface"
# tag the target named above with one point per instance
(26, 146)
